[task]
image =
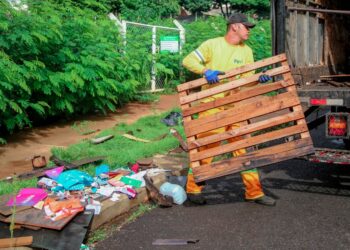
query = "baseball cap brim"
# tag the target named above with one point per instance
(249, 25)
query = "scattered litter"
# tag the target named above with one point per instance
(57, 210)
(135, 168)
(39, 205)
(55, 172)
(95, 205)
(170, 242)
(131, 193)
(172, 119)
(38, 161)
(139, 176)
(131, 182)
(74, 180)
(131, 137)
(12, 243)
(156, 196)
(175, 191)
(46, 183)
(177, 135)
(101, 139)
(115, 197)
(27, 197)
(102, 169)
(106, 190)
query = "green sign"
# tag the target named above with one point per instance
(169, 43)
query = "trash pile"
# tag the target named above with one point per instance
(62, 194)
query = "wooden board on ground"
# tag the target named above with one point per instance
(70, 237)
(37, 218)
(259, 124)
(6, 210)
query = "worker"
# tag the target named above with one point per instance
(212, 58)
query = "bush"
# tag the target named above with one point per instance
(58, 59)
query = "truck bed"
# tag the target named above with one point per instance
(336, 94)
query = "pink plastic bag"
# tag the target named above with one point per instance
(54, 173)
(28, 197)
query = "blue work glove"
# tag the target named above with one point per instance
(212, 75)
(264, 78)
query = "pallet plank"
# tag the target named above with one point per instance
(230, 147)
(246, 129)
(238, 114)
(231, 85)
(259, 90)
(237, 71)
(253, 160)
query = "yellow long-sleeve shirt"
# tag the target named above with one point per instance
(218, 54)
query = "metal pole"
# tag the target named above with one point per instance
(154, 50)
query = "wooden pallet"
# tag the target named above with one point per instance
(272, 128)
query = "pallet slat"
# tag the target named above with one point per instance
(237, 114)
(230, 85)
(239, 70)
(253, 160)
(246, 129)
(259, 90)
(248, 142)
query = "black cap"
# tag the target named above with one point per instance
(240, 18)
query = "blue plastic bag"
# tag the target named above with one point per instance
(74, 180)
(175, 191)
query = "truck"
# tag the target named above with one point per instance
(315, 36)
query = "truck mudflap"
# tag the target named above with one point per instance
(331, 156)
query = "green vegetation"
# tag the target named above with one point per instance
(142, 209)
(118, 151)
(97, 235)
(64, 58)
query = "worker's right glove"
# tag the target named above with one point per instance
(212, 75)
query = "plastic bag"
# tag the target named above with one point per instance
(175, 191)
(172, 119)
(74, 180)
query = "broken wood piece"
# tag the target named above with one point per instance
(101, 139)
(174, 242)
(156, 196)
(16, 242)
(131, 137)
(177, 135)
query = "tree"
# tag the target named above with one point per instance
(196, 6)
(229, 6)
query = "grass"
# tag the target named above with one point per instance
(118, 151)
(142, 209)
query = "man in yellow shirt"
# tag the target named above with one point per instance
(212, 58)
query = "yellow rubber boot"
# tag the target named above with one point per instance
(191, 185)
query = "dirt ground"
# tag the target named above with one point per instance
(16, 155)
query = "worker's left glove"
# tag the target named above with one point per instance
(212, 75)
(264, 78)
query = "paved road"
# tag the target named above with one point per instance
(313, 212)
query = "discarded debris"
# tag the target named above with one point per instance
(177, 135)
(16, 242)
(172, 119)
(38, 161)
(156, 196)
(173, 242)
(101, 139)
(131, 137)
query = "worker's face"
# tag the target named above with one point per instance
(242, 31)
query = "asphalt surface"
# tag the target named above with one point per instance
(312, 212)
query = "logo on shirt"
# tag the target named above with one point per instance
(236, 61)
